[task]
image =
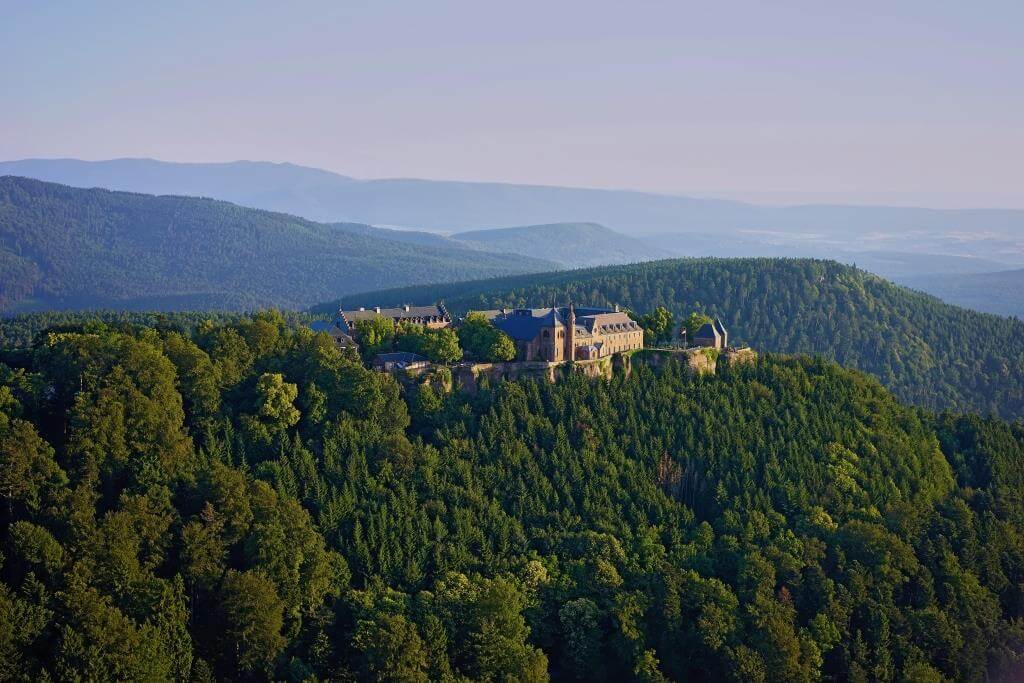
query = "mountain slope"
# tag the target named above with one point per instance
(63, 247)
(452, 205)
(928, 352)
(247, 502)
(1001, 292)
(570, 244)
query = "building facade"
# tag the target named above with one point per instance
(712, 335)
(400, 360)
(432, 317)
(559, 334)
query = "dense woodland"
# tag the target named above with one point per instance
(245, 501)
(63, 247)
(17, 332)
(928, 353)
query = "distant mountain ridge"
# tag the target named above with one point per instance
(571, 244)
(64, 247)
(450, 206)
(1001, 292)
(907, 245)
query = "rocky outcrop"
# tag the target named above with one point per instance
(468, 376)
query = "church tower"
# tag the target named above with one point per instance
(570, 334)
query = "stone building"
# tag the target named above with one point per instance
(712, 335)
(432, 317)
(558, 334)
(400, 360)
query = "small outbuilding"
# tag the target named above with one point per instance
(712, 335)
(399, 360)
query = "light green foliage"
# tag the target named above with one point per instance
(483, 341)
(440, 346)
(276, 400)
(29, 475)
(443, 346)
(694, 322)
(659, 326)
(375, 335)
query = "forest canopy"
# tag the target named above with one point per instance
(243, 500)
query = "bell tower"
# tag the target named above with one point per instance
(570, 334)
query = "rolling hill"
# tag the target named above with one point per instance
(243, 501)
(62, 247)
(895, 242)
(927, 352)
(571, 244)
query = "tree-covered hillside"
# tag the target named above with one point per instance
(246, 502)
(927, 352)
(62, 247)
(17, 332)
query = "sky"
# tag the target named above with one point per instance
(912, 102)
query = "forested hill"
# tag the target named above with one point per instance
(62, 247)
(929, 353)
(246, 502)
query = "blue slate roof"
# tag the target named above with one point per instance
(707, 331)
(324, 326)
(525, 324)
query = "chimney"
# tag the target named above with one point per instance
(362, 308)
(616, 308)
(376, 309)
(405, 308)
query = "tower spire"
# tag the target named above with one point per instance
(570, 333)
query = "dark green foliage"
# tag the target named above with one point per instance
(18, 331)
(927, 352)
(247, 502)
(63, 247)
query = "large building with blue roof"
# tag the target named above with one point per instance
(559, 334)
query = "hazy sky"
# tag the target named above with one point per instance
(919, 102)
